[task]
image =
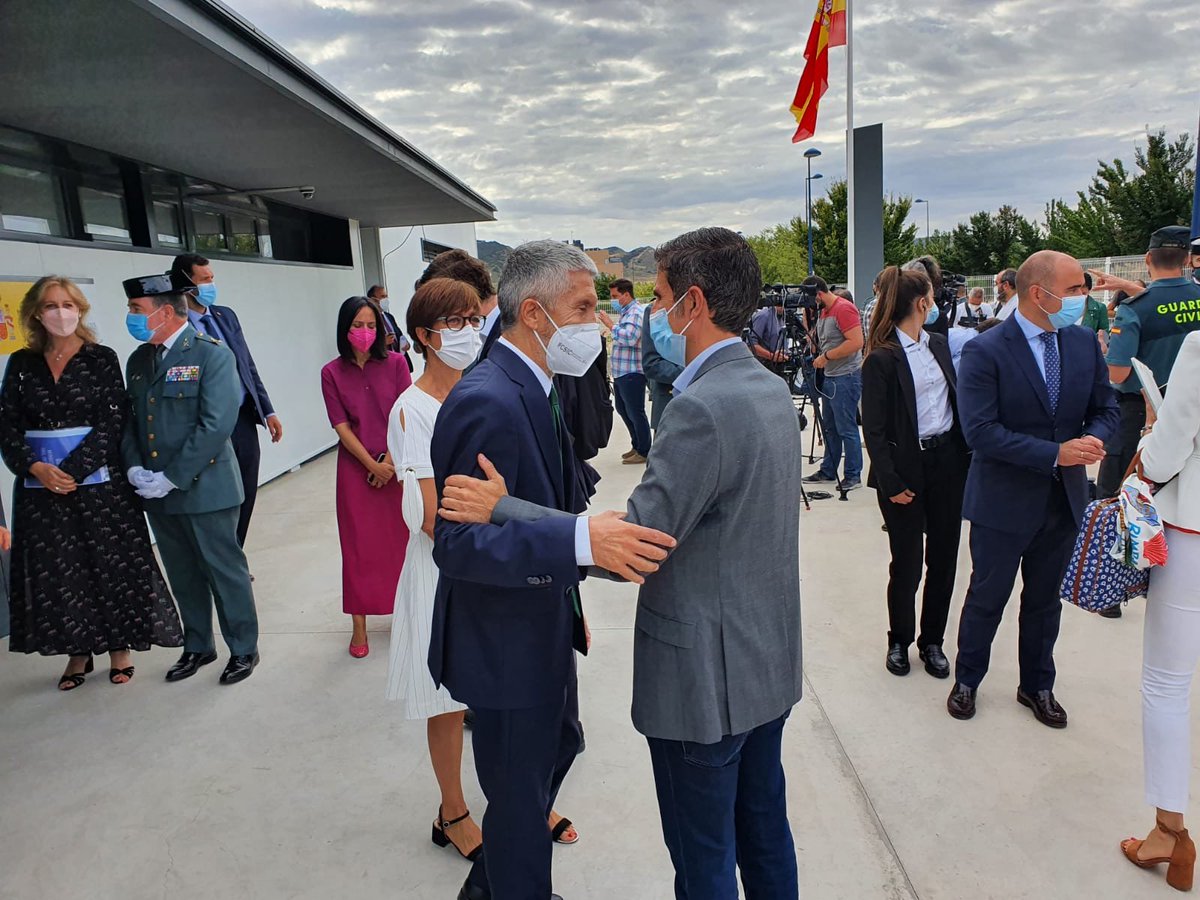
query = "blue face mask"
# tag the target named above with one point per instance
(1071, 312)
(671, 346)
(932, 315)
(207, 293)
(139, 327)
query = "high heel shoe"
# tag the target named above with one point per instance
(1181, 864)
(70, 682)
(443, 840)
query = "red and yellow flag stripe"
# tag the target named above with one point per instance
(828, 30)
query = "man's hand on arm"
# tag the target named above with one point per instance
(471, 500)
(275, 427)
(628, 550)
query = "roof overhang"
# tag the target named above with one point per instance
(189, 85)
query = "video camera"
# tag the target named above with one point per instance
(947, 296)
(789, 296)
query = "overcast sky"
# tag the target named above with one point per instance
(628, 121)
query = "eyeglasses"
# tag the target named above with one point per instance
(456, 323)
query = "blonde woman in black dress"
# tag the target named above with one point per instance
(84, 579)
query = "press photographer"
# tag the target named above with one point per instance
(946, 290)
(839, 345)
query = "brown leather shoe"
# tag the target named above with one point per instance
(961, 702)
(1045, 708)
(636, 460)
(628, 453)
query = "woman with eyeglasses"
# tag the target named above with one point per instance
(444, 322)
(360, 387)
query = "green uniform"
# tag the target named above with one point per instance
(1095, 316)
(1152, 326)
(184, 408)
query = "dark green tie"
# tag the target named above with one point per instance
(556, 412)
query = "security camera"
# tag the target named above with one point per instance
(307, 192)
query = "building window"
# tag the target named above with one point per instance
(104, 215)
(244, 236)
(209, 229)
(168, 223)
(430, 249)
(30, 201)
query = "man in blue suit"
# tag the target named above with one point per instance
(507, 615)
(1036, 408)
(221, 323)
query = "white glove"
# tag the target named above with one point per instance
(157, 488)
(139, 477)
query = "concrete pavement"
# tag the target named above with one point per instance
(304, 782)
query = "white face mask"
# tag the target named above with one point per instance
(573, 348)
(459, 348)
(60, 321)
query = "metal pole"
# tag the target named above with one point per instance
(808, 204)
(926, 224)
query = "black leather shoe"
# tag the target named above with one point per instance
(1045, 707)
(189, 664)
(897, 659)
(961, 702)
(582, 741)
(471, 892)
(1112, 612)
(239, 669)
(935, 661)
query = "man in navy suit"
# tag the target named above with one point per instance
(507, 614)
(1036, 408)
(222, 323)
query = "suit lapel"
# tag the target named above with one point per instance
(1018, 347)
(908, 387)
(182, 345)
(537, 407)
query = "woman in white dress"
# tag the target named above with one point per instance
(444, 318)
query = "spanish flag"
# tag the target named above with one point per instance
(828, 30)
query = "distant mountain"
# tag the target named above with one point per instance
(494, 255)
(639, 263)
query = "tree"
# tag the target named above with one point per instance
(1122, 208)
(782, 253)
(602, 283)
(831, 225)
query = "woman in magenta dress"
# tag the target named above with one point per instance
(360, 387)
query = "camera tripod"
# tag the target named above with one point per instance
(793, 344)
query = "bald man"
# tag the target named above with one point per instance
(1036, 408)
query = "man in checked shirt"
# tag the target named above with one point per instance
(629, 382)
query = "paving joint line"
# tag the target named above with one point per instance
(878, 822)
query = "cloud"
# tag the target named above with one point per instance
(625, 122)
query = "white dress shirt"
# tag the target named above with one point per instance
(489, 321)
(934, 415)
(583, 531)
(1033, 333)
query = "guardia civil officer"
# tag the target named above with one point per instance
(1196, 259)
(185, 398)
(1150, 325)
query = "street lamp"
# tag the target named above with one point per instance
(926, 202)
(810, 154)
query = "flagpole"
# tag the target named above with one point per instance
(850, 148)
(1196, 195)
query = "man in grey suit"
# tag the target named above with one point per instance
(717, 641)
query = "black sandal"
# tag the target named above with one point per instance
(560, 829)
(70, 682)
(443, 840)
(127, 672)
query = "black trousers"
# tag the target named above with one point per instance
(521, 759)
(930, 528)
(249, 453)
(995, 558)
(1121, 446)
